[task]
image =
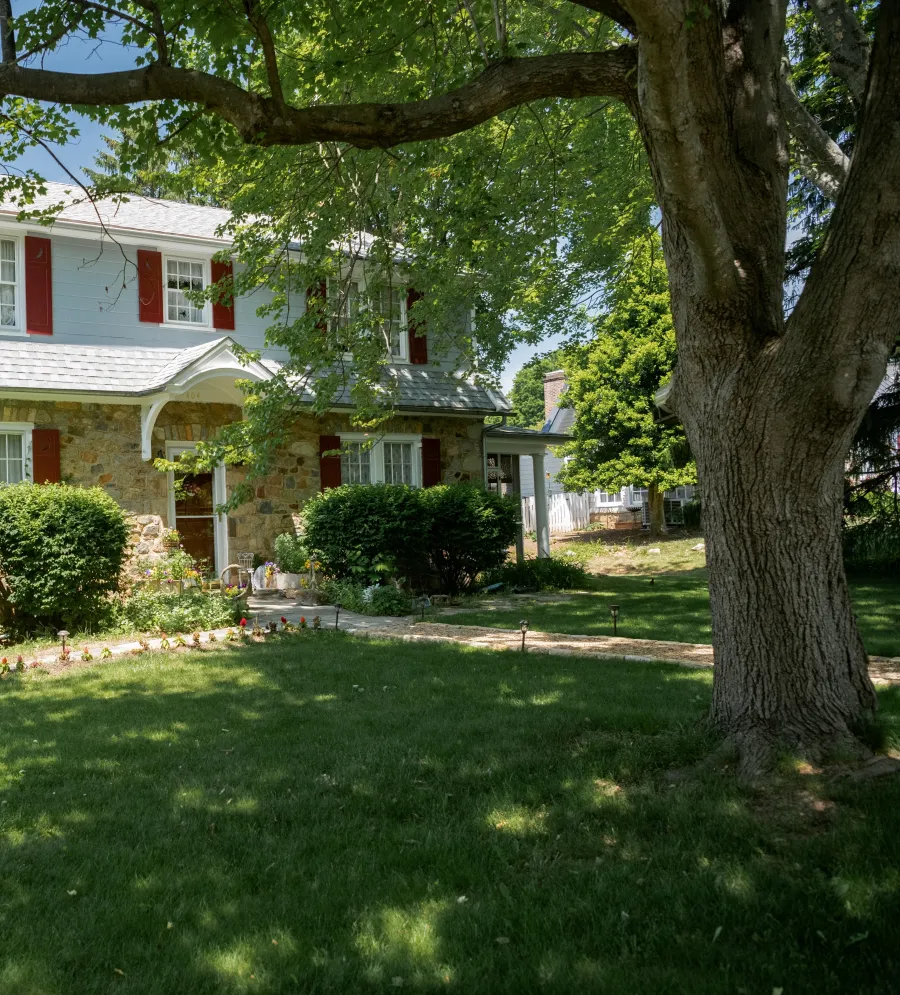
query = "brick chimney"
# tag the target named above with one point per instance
(554, 385)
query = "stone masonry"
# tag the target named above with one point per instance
(100, 447)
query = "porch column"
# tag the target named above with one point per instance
(517, 490)
(542, 522)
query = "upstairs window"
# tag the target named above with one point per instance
(183, 275)
(343, 308)
(392, 309)
(9, 285)
(12, 457)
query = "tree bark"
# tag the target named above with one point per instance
(656, 507)
(790, 667)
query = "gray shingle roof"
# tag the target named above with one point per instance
(87, 369)
(126, 371)
(163, 217)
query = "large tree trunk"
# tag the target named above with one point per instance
(791, 670)
(770, 404)
(657, 510)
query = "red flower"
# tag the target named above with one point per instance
(302, 618)
(283, 620)
(243, 622)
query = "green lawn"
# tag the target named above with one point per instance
(676, 607)
(332, 815)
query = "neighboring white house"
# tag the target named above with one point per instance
(624, 508)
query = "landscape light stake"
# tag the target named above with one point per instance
(337, 614)
(523, 625)
(614, 611)
(63, 635)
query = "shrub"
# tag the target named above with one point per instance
(371, 600)
(61, 552)
(450, 533)
(290, 553)
(158, 611)
(552, 572)
(872, 542)
(366, 532)
(469, 530)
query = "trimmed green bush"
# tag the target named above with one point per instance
(469, 530)
(367, 532)
(158, 611)
(61, 552)
(552, 572)
(692, 514)
(446, 535)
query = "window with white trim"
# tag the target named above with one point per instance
(10, 291)
(392, 308)
(608, 497)
(398, 462)
(15, 446)
(183, 275)
(392, 459)
(356, 464)
(639, 495)
(343, 305)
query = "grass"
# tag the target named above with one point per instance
(675, 607)
(331, 815)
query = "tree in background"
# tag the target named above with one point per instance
(527, 394)
(612, 381)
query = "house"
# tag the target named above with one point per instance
(625, 508)
(100, 375)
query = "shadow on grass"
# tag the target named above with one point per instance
(332, 815)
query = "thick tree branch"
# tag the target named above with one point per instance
(611, 9)
(261, 26)
(847, 43)
(259, 120)
(820, 159)
(851, 302)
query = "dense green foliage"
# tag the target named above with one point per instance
(554, 572)
(415, 818)
(872, 535)
(373, 599)
(290, 553)
(612, 382)
(527, 393)
(447, 534)
(61, 552)
(147, 610)
(470, 530)
(364, 533)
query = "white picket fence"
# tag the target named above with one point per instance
(566, 512)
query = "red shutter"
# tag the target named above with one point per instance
(431, 462)
(418, 344)
(38, 286)
(45, 455)
(329, 466)
(223, 314)
(321, 294)
(150, 286)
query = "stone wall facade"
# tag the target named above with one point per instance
(100, 446)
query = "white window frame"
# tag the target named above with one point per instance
(220, 496)
(376, 454)
(24, 429)
(182, 257)
(20, 328)
(362, 293)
